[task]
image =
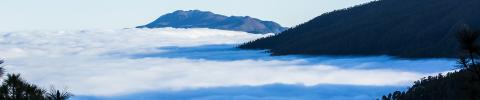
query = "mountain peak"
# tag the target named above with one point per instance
(191, 12)
(206, 19)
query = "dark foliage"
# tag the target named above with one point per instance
(15, 88)
(402, 28)
(460, 85)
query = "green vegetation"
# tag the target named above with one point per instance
(15, 88)
(402, 28)
(460, 85)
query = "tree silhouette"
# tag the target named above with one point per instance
(2, 71)
(15, 88)
(463, 84)
(468, 40)
(58, 95)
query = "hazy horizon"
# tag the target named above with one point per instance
(110, 14)
(185, 64)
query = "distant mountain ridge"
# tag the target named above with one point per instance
(205, 19)
(401, 28)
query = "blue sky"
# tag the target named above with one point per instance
(106, 14)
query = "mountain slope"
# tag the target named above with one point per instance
(403, 28)
(203, 19)
(460, 85)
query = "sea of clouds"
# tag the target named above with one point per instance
(202, 64)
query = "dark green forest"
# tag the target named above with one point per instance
(15, 88)
(401, 28)
(460, 85)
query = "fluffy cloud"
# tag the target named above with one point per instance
(117, 62)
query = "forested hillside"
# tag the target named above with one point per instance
(460, 85)
(402, 28)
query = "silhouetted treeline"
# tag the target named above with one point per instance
(403, 28)
(460, 85)
(15, 88)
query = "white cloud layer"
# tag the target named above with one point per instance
(99, 62)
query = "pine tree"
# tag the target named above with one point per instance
(460, 85)
(15, 88)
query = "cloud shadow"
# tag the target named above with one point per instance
(266, 92)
